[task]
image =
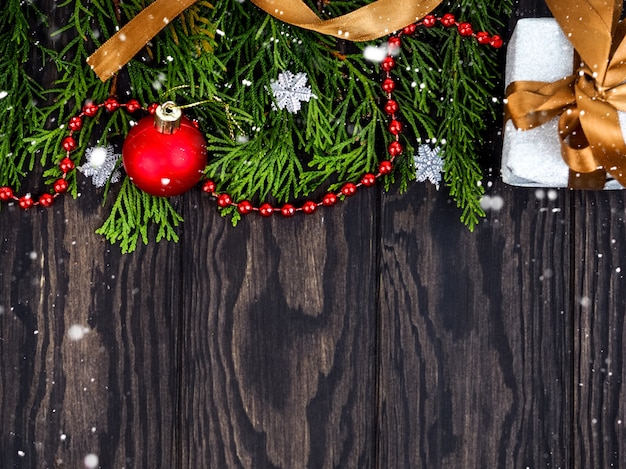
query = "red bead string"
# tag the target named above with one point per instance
(244, 207)
(66, 165)
(394, 127)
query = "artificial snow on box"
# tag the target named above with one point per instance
(539, 51)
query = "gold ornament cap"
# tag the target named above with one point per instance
(167, 118)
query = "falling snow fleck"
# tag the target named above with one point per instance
(428, 164)
(375, 53)
(290, 90)
(77, 332)
(91, 461)
(495, 202)
(100, 165)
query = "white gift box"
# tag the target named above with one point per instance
(538, 51)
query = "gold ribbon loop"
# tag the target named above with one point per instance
(369, 22)
(532, 103)
(588, 101)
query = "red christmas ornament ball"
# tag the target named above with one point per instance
(165, 154)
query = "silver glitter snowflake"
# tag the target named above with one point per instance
(290, 90)
(428, 164)
(100, 165)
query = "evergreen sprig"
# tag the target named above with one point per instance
(227, 54)
(446, 86)
(132, 214)
(333, 138)
(19, 91)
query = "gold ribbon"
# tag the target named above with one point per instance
(369, 22)
(587, 102)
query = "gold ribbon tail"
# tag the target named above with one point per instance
(129, 40)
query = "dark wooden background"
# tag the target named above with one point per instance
(377, 334)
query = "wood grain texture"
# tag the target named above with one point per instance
(87, 342)
(475, 333)
(279, 340)
(600, 305)
(87, 336)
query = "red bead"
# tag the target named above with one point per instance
(388, 64)
(388, 85)
(76, 123)
(90, 109)
(60, 186)
(209, 187)
(496, 42)
(244, 207)
(385, 167)
(410, 29)
(329, 199)
(483, 38)
(394, 43)
(368, 180)
(348, 189)
(391, 107)
(448, 20)
(46, 200)
(309, 207)
(66, 165)
(429, 21)
(68, 143)
(224, 200)
(6, 193)
(153, 107)
(465, 29)
(395, 148)
(395, 127)
(26, 202)
(133, 106)
(266, 210)
(288, 210)
(111, 104)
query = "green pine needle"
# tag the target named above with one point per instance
(131, 215)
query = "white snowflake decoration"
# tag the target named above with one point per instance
(428, 164)
(100, 165)
(290, 90)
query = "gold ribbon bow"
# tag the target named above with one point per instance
(592, 143)
(369, 22)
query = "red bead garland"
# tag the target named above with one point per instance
(66, 165)
(244, 207)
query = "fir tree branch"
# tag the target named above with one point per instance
(131, 215)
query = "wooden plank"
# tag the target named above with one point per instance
(279, 338)
(600, 303)
(87, 343)
(475, 333)
(87, 336)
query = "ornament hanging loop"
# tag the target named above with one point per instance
(230, 118)
(167, 118)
